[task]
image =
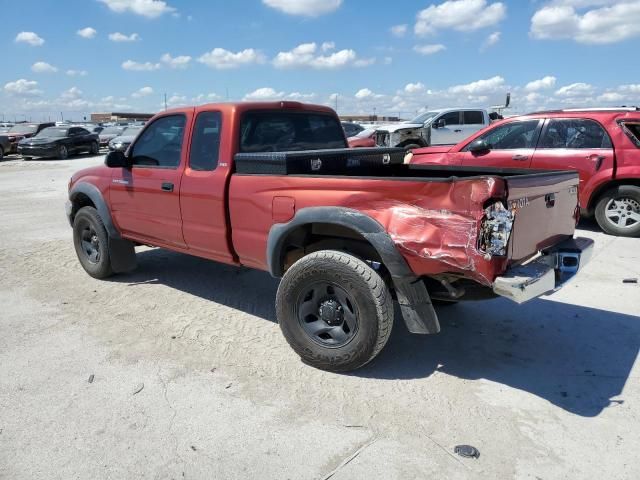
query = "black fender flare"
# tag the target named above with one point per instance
(415, 303)
(92, 192)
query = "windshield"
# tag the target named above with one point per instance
(52, 132)
(131, 131)
(424, 117)
(22, 128)
(112, 131)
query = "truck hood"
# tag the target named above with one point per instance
(399, 126)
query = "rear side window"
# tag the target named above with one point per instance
(451, 118)
(574, 133)
(160, 144)
(632, 129)
(472, 117)
(205, 144)
(281, 131)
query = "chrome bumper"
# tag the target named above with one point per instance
(547, 273)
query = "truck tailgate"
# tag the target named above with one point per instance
(546, 211)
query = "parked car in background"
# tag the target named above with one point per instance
(122, 142)
(603, 145)
(59, 142)
(436, 127)
(351, 129)
(366, 138)
(9, 140)
(109, 133)
(92, 127)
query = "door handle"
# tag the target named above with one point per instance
(597, 159)
(520, 158)
(458, 131)
(167, 186)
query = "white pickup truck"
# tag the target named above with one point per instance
(445, 126)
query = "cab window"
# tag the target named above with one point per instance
(451, 118)
(205, 143)
(511, 135)
(574, 133)
(160, 144)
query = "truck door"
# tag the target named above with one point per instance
(511, 145)
(575, 144)
(472, 121)
(145, 199)
(449, 132)
(203, 190)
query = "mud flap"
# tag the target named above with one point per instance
(123, 255)
(417, 310)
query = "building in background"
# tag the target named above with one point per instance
(368, 118)
(120, 117)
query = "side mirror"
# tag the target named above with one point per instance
(441, 123)
(116, 159)
(479, 146)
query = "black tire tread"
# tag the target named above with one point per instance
(331, 260)
(104, 270)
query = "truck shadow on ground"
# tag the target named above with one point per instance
(576, 357)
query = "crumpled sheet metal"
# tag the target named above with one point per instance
(438, 231)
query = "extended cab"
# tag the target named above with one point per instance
(446, 126)
(272, 186)
(603, 145)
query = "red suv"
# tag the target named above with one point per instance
(603, 145)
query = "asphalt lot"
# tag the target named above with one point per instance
(192, 378)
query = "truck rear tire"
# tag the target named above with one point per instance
(335, 311)
(618, 211)
(91, 242)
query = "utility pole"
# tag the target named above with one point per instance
(165, 101)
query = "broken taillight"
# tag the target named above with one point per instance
(495, 230)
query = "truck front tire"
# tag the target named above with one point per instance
(91, 242)
(335, 311)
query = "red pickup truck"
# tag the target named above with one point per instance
(273, 186)
(603, 145)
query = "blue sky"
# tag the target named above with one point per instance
(79, 56)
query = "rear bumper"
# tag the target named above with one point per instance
(547, 273)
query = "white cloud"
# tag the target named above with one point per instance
(326, 46)
(575, 90)
(77, 73)
(23, 88)
(301, 96)
(87, 32)
(143, 92)
(306, 55)
(414, 87)
(181, 61)
(145, 8)
(222, 59)
(607, 24)
(306, 8)
(121, 37)
(609, 97)
(177, 101)
(74, 93)
(43, 67)
(364, 93)
(31, 38)
(140, 67)
(542, 84)
(429, 49)
(491, 40)
(399, 30)
(264, 93)
(461, 15)
(489, 85)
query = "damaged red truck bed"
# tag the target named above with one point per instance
(272, 186)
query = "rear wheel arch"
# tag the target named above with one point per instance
(606, 186)
(324, 227)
